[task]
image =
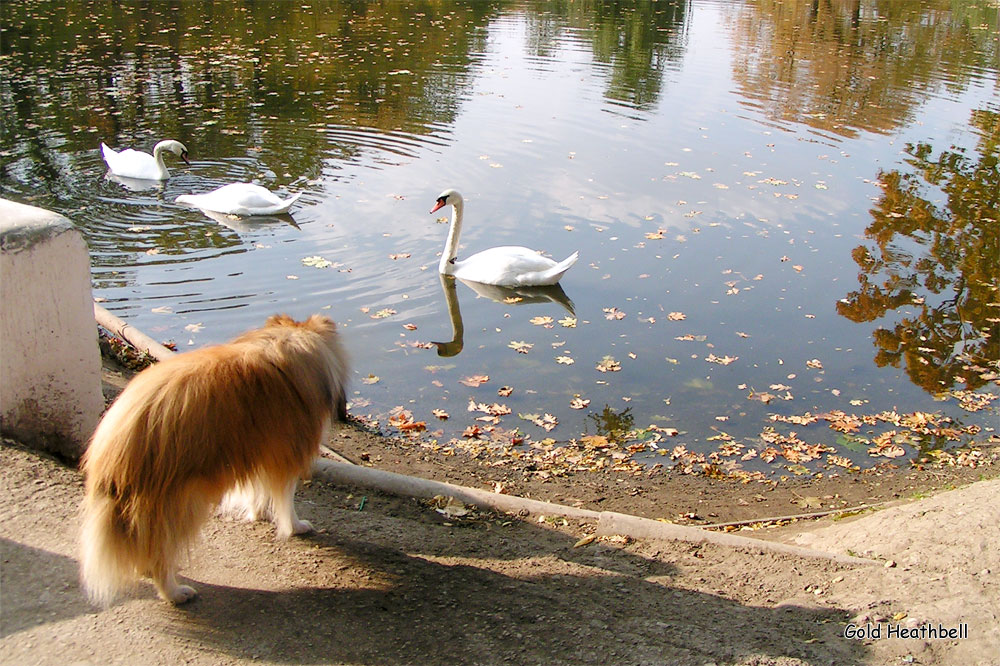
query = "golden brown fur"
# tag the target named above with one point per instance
(246, 416)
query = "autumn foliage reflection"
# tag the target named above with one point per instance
(935, 267)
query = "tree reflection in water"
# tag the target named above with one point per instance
(935, 267)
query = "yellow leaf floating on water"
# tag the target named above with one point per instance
(541, 321)
(578, 403)
(613, 313)
(676, 316)
(568, 322)
(723, 360)
(317, 261)
(609, 364)
(505, 391)
(441, 414)
(521, 347)
(474, 380)
(370, 379)
(565, 360)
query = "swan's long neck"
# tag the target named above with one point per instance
(450, 254)
(158, 154)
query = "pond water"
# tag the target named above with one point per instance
(786, 212)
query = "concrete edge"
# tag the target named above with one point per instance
(608, 522)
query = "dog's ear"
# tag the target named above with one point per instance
(320, 324)
(279, 320)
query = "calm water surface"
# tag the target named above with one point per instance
(782, 209)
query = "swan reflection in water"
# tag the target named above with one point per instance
(508, 295)
(247, 225)
(134, 184)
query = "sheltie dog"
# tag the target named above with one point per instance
(241, 421)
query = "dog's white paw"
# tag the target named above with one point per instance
(295, 527)
(302, 527)
(181, 594)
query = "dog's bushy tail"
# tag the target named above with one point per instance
(107, 562)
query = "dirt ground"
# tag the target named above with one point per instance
(391, 580)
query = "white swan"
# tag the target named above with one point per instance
(240, 199)
(508, 266)
(135, 164)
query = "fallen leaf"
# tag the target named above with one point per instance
(474, 380)
(521, 347)
(613, 313)
(724, 360)
(317, 261)
(608, 364)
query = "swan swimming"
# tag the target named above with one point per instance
(131, 163)
(508, 266)
(240, 199)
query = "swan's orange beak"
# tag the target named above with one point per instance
(439, 205)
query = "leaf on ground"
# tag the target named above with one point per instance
(810, 502)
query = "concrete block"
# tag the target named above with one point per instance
(50, 363)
